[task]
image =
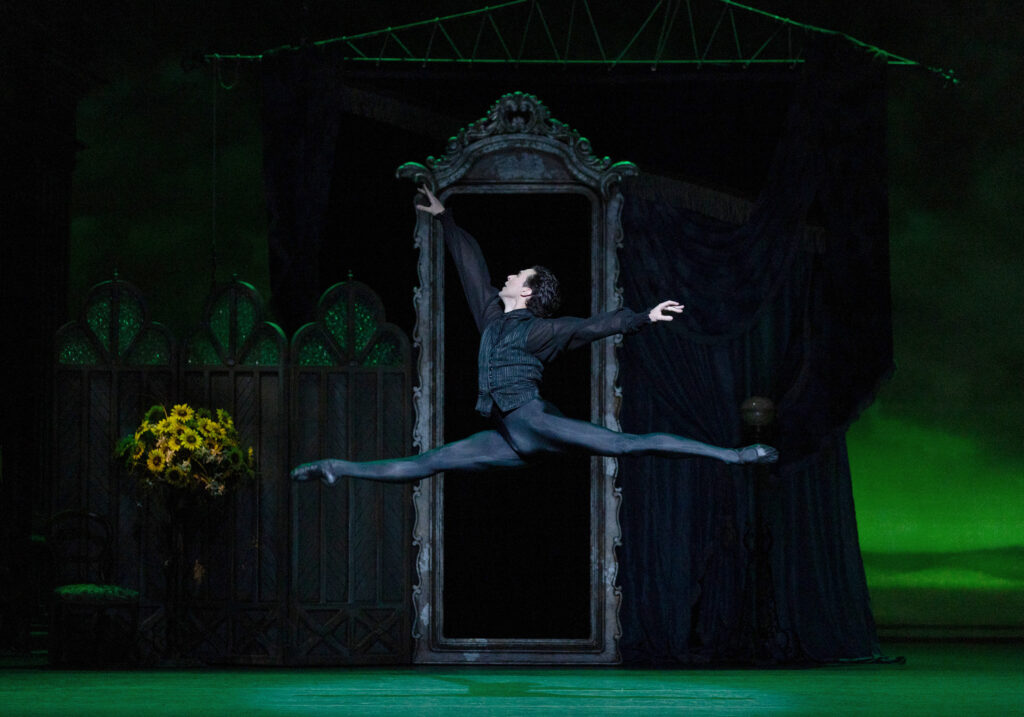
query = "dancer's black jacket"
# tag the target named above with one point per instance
(515, 345)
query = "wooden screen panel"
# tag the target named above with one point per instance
(238, 548)
(351, 546)
(236, 361)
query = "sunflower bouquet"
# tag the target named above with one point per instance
(187, 448)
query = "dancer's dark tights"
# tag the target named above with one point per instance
(530, 431)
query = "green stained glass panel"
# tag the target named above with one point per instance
(76, 349)
(202, 352)
(97, 315)
(266, 352)
(384, 353)
(129, 321)
(245, 317)
(336, 321)
(314, 352)
(152, 349)
(365, 325)
(220, 319)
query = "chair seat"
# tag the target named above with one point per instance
(92, 593)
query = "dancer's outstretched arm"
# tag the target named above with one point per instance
(469, 261)
(569, 332)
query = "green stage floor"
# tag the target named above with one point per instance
(938, 679)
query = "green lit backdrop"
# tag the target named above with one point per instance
(938, 462)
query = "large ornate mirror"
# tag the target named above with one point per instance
(517, 567)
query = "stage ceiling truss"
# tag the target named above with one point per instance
(664, 33)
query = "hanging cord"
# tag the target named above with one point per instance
(220, 76)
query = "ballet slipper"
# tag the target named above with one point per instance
(322, 470)
(757, 453)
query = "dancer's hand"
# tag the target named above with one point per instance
(658, 312)
(435, 207)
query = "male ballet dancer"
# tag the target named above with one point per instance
(518, 338)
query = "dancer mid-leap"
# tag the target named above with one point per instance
(518, 338)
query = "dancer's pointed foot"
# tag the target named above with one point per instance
(757, 453)
(317, 470)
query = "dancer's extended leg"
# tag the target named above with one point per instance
(479, 452)
(539, 427)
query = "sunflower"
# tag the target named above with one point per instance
(203, 426)
(216, 430)
(173, 442)
(190, 439)
(138, 451)
(166, 425)
(156, 461)
(155, 413)
(183, 412)
(225, 418)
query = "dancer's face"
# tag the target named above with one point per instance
(515, 285)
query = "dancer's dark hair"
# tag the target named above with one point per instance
(546, 296)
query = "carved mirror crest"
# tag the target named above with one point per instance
(516, 149)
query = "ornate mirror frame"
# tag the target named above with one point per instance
(518, 148)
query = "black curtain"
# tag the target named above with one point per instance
(779, 308)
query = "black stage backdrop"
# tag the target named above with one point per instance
(774, 308)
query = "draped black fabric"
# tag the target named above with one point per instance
(775, 308)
